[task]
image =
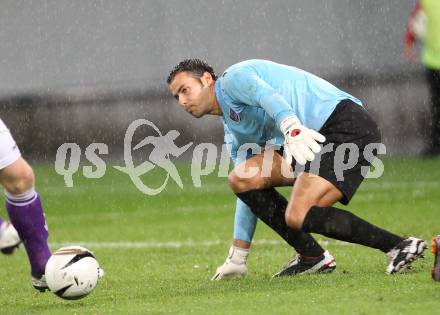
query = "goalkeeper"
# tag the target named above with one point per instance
(259, 101)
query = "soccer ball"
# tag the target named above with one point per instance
(72, 272)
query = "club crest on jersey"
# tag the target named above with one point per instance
(233, 115)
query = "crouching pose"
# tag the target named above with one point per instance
(261, 101)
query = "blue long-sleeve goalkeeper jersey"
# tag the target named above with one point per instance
(255, 96)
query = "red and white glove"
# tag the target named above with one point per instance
(299, 141)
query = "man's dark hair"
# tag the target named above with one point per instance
(196, 66)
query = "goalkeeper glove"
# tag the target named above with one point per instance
(299, 141)
(234, 265)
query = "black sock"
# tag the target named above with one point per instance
(345, 226)
(270, 206)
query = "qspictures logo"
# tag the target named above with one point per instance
(205, 158)
(163, 149)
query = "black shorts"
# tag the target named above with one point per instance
(351, 126)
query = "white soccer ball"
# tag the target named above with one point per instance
(72, 272)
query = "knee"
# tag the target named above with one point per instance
(21, 181)
(294, 221)
(295, 215)
(240, 184)
(237, 183)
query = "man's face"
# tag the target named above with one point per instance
(193, 94)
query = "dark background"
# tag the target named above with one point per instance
(82, 71)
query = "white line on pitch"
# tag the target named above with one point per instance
(172, 244)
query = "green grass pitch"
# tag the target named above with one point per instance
(159, 252)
